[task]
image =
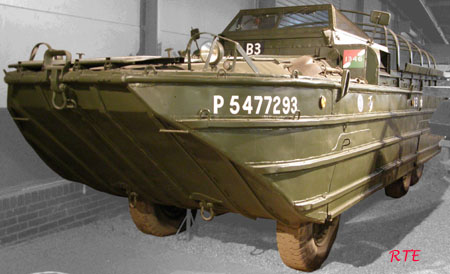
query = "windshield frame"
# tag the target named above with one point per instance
(355, 29)
(279, 12)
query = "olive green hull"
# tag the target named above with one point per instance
(144, 134)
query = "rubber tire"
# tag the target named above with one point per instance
(417, 174)
(399, 188)
(298, 248)
(155, 220)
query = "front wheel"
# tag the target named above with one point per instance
(306, 247)
(157, 220)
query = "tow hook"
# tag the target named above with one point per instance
(209, 207)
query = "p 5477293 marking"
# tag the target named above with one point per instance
(257, 104)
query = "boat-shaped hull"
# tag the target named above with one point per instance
(167, 137)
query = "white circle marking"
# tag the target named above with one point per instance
(360, 103)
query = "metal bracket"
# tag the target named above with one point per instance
(55, 72)
(202, 197)
(205, 203)
(189, 221)
(58, 89)
(345, 85)
(132, 199)
(108, 63)
(204, 113)
(19, 67)
(76, 65)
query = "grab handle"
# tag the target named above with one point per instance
(36, 48)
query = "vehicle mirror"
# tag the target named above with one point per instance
(195, 34)
(345, 84)
(380, 17)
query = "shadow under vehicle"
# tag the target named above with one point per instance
(293, 114)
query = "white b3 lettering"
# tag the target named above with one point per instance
(249, 49)
(253, 48)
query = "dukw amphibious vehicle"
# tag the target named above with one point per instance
(293, 114)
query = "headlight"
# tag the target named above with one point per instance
(217, 52)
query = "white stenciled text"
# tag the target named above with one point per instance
(258, 104)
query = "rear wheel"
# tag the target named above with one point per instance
(157, 220)
(399, 188)
(306, 247)
(416, 174)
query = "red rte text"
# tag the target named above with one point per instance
(397, 256)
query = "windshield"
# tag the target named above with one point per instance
(304, 17)
(317, 16)
(255, 22)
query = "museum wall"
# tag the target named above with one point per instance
(19, 164)
(441, 53)
(176, 17)
(340, 4)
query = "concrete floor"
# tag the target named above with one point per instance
(234, 244)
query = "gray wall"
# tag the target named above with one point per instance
(176, 17)
(97, 28)
(19, 164)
